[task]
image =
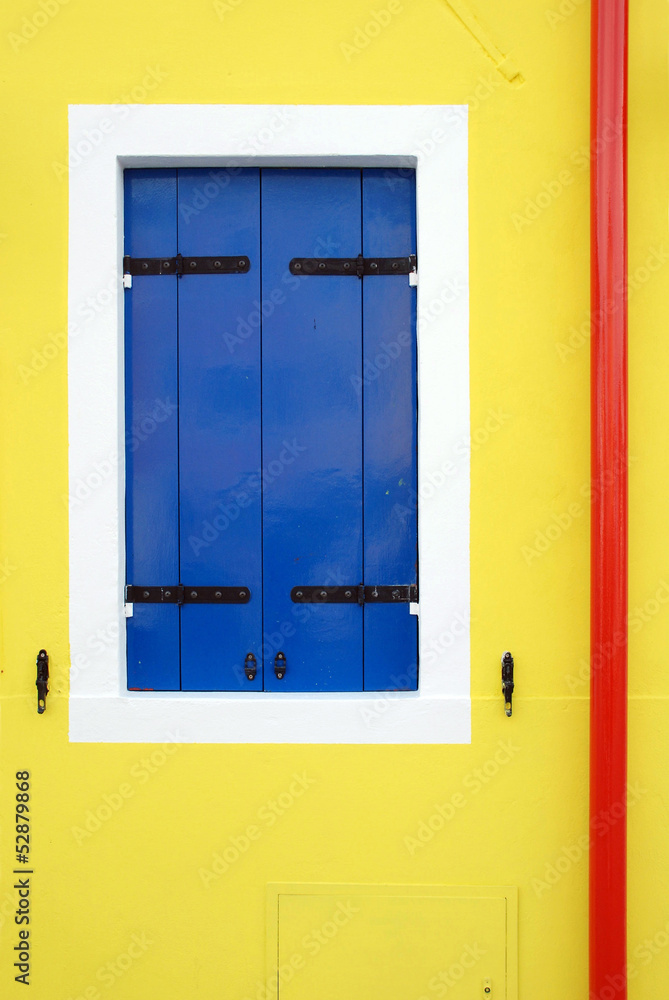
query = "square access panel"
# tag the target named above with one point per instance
(398, 942)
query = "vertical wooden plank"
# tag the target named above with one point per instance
(388, 388)
(219, 429)
(151, 400)
(312, 428)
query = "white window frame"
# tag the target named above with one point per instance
(105, 139)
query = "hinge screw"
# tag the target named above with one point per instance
(348, 593)
(241, 263)
(217, 263)
(146, 593)
(166, 263)
(218, 594)
(193, 263)
(298, 267)
(298, 593)
(193, 593)
(242, 593)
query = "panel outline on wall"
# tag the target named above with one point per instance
(100, 708)
(275, 890)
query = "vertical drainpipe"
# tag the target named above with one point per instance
(608, 595)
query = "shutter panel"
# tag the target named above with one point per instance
(291, 459)
(312, 429)
(219, 427)
(152, 556)
(389, 392)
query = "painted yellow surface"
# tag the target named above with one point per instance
(128, 898)
(392, 942)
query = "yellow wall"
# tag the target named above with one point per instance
(139, 873)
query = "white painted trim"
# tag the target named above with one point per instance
(103, 140)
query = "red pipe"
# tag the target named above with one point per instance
(608, 622)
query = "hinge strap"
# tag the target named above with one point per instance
(179, 594)
(186, 265)
(356, 266)
(355, 594)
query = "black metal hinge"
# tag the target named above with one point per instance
(180, 594)
(358, 266)
(186, 265)
(356, 594)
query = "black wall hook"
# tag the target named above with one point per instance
(507, 682)
(42, 679)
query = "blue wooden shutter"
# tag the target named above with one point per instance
(390, 411)
(151, 419)
(312, 507)
(293, 449)
(219, 428)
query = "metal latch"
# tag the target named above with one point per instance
(507, 682)
(280, 666)
(42, 680)
(250, 667)
(186, 265)
(356, 594)
(180, 594)
(356, 266)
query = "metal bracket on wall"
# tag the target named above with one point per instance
(280, 666)
(250, 667)
(357, 266)
(180, 594)
(42, 680)
(507, 682)
(355, 594)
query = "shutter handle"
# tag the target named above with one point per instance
(280, 666)
(250, 667)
